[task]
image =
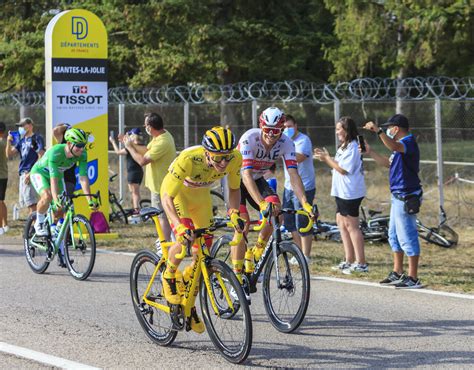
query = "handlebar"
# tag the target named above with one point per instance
(64, 196)
(267, 213)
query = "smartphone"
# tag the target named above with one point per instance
(361, 141)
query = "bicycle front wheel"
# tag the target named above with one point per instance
(79, 248)
(155, 322)
(286, 300)
(36, 252)
(231, 334)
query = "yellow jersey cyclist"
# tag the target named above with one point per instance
(47, 175)
(186, 199)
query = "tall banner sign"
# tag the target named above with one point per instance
(76, 89)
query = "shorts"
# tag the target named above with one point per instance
(402, 230)
(156, 202)
(3, 188)
(135, 177)
(348, 207)
(265, 190)
(42, 183)
(295, 222)
(28, 195)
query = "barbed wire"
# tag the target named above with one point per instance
(361, 89)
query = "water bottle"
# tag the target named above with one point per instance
(52, 229)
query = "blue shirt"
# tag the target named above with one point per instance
(29, 147)
(404, 168)
(303, 146)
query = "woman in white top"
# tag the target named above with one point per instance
(348, 188)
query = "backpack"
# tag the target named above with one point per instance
(99, 222)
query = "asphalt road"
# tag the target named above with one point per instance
(347, 325)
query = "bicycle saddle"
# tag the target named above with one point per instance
(372, 212)
(148, 212)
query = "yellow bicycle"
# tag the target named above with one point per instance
(223, 304)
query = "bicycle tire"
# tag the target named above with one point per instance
(117, 213)
(144, 203)
(142, 269)
(432, 236)
(36, 258)
(233, 350)
(286, 322)
(80, 258)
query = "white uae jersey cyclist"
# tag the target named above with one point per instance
(256, 157)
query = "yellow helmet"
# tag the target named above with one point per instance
(218, 140)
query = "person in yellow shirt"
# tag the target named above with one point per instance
(186, 198)
(161, 151)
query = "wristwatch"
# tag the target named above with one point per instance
(379, 131)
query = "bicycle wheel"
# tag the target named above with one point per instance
(286, 302)
(36, 252)
(117, 214)
(231, 336)
(221, 249)
(219, 207)
(156, 323)
(432, 236)
(79, 248)
(144, 203)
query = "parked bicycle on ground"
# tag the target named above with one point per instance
(227, 320)
(286, 279)
(117, 212)
(72, 240)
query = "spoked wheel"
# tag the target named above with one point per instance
(155, 322)
(230, 333)
(443, 236)
(36, 249)
(79, 248)
(117, 214)
(286, 302)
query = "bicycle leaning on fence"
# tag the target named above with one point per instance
(286, 279)
(73, 241)
(228, 321)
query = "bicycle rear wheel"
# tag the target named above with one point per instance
(286, 302)
(79, 248)
(231, 334)
(36, 252)
(436, 237)
(156, 323)
(117, 214)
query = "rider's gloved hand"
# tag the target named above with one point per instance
(93, 204)
(183, 234)
(236, 220)
(55, 205)
(263, 205)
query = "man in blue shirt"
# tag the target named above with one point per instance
(406, 192)
(30, 147)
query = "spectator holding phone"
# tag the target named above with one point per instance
(3, 180)
(348, 188)
(134, 170)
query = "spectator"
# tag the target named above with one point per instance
(134, 170)
(3, 180)
(348, 188)
(161, 151)
(69, 174)
(405, 186)
(31, 148)
(303, 148)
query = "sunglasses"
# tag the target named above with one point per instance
(275, 131)
(220, 158)
(80, 146)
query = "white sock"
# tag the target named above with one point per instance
(40, 217)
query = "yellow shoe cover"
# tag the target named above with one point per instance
(196, 323)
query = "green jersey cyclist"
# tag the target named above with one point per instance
(47, 175)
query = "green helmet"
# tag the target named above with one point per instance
(76, 136)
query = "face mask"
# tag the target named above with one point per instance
(289, 131)
(148, 130)
(22, 131)
(389, 134)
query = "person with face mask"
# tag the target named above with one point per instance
(405, 186)
(30, 147)
(156, 159)
(293, 223)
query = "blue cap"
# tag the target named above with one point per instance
(397, 120)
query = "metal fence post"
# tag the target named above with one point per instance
(121, 130)
(439, 151)
(254, 114)
(186, 125)
(337, 115)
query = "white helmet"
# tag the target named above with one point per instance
(272, 117)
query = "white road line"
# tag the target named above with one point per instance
(43, 357)
(105, 251)
(376, 285)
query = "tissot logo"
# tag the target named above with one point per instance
(80, 99)
(79, 89)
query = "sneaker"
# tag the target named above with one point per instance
(356, 267)
(170, 290)
(409, 283)
(342, 265)
(393, 278)
(2, 231)
(40, 229)
(5, 229)
(196, 323)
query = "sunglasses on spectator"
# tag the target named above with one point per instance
(275, 131)
(219, 158)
